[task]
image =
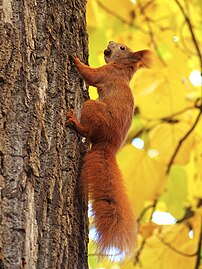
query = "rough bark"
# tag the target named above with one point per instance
(43, 213)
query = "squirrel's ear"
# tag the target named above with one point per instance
(142, 58)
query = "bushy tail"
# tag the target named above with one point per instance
(113, 216)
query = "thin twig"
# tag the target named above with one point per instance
(150, 32)
(114, 14)
(198, 260)
(155, 44)
(145, 210)
(153, 206)
(188, 214)
(186, 48)
(176, 250)
(181, 142)
(191, 32)
(187, 19)
(137, 255)
(168, 118)
(147, 4)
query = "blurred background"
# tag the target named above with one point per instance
(161, 159)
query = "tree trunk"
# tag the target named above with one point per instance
(43, 213)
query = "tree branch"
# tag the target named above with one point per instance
(137, 255)
(145, 210)
(198, 260)
(176, 250)
(184, 45)
(191, 32)
(193, 37)
(114, 14)
(150, 32)
(181, 142)
(169, 118)
(147, 5)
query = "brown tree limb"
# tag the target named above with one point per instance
(184, 45)
(187, 19)
(198, 260)
(146, 209)
(169, 118)
(191, 32)
(147, 4)
(114, 14)
(137, 255)
(181, 142)
(150, 32)
(175, 249)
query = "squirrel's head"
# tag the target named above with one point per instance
(121, 54)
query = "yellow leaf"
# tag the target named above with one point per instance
(144, 176)
(147, 229)
(165, 139)
(172, 247)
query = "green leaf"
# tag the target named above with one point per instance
(175, 196)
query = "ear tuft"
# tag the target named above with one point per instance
(143, 58)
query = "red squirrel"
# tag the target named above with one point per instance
(106, 122)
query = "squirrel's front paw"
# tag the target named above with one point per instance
(71, 117)
(76, 59)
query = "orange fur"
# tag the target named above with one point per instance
(106, 122)
(113, 217)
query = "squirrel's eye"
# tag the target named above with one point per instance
(122, 48)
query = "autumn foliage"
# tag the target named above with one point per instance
(162, 156)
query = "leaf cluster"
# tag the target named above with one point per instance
(162, 156)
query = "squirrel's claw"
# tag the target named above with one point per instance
(71, 117)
